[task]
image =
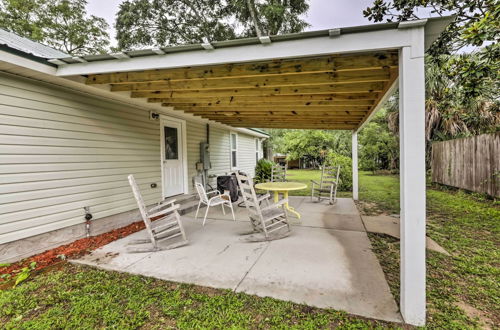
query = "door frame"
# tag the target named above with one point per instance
(164, 120)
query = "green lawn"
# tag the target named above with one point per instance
(305, 176)
(466, 225)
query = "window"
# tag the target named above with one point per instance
(257, 150)
(234, 150)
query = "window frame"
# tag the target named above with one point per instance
(231, 150)
(258, 146)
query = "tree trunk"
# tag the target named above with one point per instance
(253, 14)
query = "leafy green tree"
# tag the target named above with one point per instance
(146, 23)
(269, 17)
(476, 23)
(61, 24)
(141, 23)
(379, 147)
(313, 145)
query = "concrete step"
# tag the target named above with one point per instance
(188, 207)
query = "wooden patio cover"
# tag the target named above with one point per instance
(326, 92)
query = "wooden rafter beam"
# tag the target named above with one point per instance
(310, 79)
(263, 98)
(263, 91)
(259, 103)
(278, 109)
(334, 63)
(230, 113)
(296, 126)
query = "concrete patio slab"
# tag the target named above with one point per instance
(316, 265)
(383, 224)
(324, 268)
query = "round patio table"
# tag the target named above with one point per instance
(284, 188)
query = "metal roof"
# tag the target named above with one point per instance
(438, 23)
(27, 46)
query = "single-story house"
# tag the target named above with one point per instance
(72, 128)
(64, 149)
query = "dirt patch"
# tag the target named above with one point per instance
(75, 249)
(473, 313)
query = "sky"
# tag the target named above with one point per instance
(323, 14)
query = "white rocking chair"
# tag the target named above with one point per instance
(278, 173)
(269, 220)
(166, 225)
(327, 187)
(218, 199)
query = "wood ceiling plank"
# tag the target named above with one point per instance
(347, 77)
(280, 113)
(297, 66)
(263, 98)
(277, 109)
(258, 103)
(268, 91)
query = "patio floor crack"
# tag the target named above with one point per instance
(251, 267)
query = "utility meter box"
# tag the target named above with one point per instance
(205, 155)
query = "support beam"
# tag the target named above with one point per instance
(412, 176)
(355, 195)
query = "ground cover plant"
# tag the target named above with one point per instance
(462, 289)
(81, 297)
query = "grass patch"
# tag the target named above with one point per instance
(305, 176)
(466, 225)
(82, 297)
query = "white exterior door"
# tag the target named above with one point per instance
(172, 140)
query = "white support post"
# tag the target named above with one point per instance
(355, 194)
(412, 176)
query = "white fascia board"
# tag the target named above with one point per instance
(346, 43)
(249, 132)
(26, 63)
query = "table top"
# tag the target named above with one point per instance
(281, 186)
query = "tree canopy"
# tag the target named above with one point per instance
(61, 24)
(147, 23)
(476, 24)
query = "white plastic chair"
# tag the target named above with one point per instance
(218, 199)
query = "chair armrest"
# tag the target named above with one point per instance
(281, 202)
(213, 192)
(314, 182)
(165, 211)
(263, 197)
(161, 205)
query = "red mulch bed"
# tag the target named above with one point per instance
(73, 250)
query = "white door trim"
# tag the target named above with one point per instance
(164, 120)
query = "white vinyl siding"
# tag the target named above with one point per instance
(61, 151)
(246, 154)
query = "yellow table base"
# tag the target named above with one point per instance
(287, 206)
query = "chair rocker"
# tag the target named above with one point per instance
(327, 187)
(163, 224)
(269, 220)
(218, 199)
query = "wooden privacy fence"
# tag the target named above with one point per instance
(471, 163)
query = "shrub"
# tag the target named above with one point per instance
(345, 177)
(263, 170)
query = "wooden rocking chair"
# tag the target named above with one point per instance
(327, 187)
(269, 220)
(166, 226)
(278, 173)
